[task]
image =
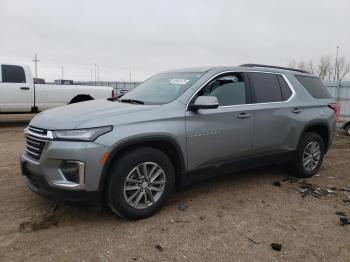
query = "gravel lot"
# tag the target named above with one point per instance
(231, 218)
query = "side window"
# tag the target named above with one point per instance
(266, 87)
(286, 92)
(314, 86)
(13, 74)
(229, 89)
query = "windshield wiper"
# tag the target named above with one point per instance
(132, 101)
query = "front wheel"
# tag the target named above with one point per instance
(309, 156)
(141, 181)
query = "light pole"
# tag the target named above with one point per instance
(336, 66)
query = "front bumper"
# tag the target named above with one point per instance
(45, 176)
(39, 185)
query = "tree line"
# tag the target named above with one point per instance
(327, 68)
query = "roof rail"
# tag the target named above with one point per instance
(277, 67)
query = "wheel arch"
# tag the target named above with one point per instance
(81, 98)
(322, 129)
(165, 144)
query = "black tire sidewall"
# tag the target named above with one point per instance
(121, 168)
(305, 140)
(347, 130)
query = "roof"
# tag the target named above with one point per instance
(245, 67)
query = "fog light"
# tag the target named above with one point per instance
(73, 171)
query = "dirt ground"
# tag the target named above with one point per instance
(231, 218)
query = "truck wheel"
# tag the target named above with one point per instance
(140, 182)
(309, 156)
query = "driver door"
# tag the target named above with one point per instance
(218, 137)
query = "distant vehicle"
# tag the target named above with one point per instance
(123, 91)
(63, 82)
(175, 128)
(20, 94)
(37, 80)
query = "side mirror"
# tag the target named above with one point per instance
(205, 102)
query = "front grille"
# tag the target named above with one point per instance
(35, 142)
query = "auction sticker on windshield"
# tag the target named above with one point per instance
(179, 81)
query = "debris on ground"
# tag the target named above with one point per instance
(277, 183)
(159, 248)
(344, 221)
(183, 206)
(220, 214)
(253, 241)
(309, 189)
(340, 213)
(346, 200)
(276, 246)
(43, 221)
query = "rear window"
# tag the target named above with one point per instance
(13, 74)
(314, 86)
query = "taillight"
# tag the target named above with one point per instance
(113, 94)
(333, 106)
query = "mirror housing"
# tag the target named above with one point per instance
(205, 102)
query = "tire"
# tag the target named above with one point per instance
(347, 130)
(127, 169)
(297, 167)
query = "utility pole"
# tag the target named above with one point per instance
(62, 72)
(91, 74)
(95, 71)
(129, 75)
(35, 60)
(336, 66)
(98, 72)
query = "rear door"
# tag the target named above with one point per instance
(277, 118)
(218, 137)
(16, 92)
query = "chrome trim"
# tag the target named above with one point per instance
(246, 71)
(65, 184)
(48, 136)
(32, 137)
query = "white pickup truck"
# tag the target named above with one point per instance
(19, 94)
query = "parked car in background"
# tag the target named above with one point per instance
(63, 82)
(175, 128)
(19, 93)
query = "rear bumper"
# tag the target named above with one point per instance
(38, 184)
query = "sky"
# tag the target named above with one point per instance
(147, 37)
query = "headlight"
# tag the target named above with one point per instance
(86, 134)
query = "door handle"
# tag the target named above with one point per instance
(244, 115)
(24, 88)
(296, 110)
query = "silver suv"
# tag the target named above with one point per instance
(175, 128)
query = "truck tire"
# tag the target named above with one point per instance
(140, 182)
(309, 156)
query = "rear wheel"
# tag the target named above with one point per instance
(309, 156)
(141, 181)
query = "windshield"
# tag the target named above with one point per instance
(161, 88)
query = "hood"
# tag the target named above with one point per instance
(71, 116)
